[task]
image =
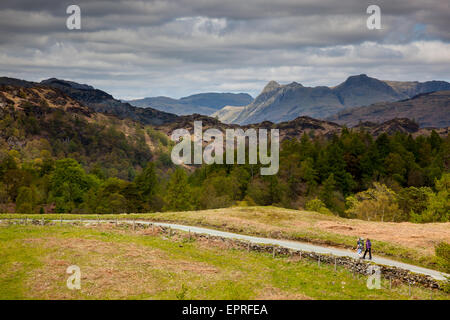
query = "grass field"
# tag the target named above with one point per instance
(406, 242)
(119, 263)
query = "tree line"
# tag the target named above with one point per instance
(390, 178)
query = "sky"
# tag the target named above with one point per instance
(135, 49)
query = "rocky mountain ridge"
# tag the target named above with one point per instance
(93, 104)
(278, 103)
(97, 100)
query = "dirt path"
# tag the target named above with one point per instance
(295, 245)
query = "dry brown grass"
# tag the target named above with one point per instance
(120, 270)
(279, 223)
(423, 237)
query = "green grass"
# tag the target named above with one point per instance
(118, 263)
(292, 225)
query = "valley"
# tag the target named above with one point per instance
(69, 151)
(207, 156)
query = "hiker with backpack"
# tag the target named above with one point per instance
(368, 249)
(360, 247)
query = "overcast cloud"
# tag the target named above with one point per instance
(135, 49)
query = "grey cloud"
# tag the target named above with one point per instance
(140, 48)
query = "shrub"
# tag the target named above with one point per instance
(438, 208)
(26, 199)
(318, 206)
(378, 203)
(443, 259)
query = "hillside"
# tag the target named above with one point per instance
(278, 103)
(100, 101)
(428, 110)
(96, 100)
(295, 129)
(202, 103)
(42, 122)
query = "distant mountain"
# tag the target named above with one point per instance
(218, 100)
(362, 90)
(427, 109)
(279, 103)
(414, 88)
(170, 105)
(100, 101)
(72, 128)
(202, 103)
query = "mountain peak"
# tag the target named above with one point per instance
(66, 83)
(295, 84)
(272, 85)
(358, 78)
(362, 80)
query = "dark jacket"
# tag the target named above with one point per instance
(368, 244)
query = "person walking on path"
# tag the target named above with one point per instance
(368, 249)
(360, 247)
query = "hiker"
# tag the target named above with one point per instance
(368, 249)
(360, 247)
